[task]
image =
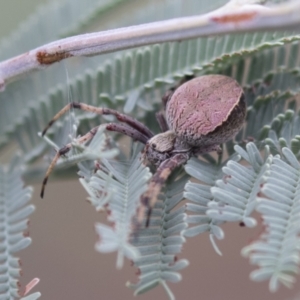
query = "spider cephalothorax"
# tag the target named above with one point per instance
(200, 114)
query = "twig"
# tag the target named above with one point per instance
(233, 17)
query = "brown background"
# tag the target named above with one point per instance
(62, 253)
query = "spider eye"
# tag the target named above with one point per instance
(153, 146)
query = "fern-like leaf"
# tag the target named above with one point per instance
(117, 187)
(33, 296)
(235, 195)
(200, 195)
(277, 251)
(14, 211)
(285, 132)
(267, 99)
(161, 241)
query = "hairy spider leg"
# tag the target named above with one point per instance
(63, 151)
(162, 173)
(121, 128)
(131, 132)
(102, 111)
(162, 122)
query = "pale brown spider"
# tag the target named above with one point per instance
(200, 114)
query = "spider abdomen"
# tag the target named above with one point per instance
(207, 110)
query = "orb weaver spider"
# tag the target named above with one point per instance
(200, 114)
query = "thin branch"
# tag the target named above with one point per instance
(231, 18)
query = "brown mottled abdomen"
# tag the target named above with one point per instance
(207, 110)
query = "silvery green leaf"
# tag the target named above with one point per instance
(235, 197)
(277, 252)
(159, 243)
(14, 213)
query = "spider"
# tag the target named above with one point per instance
(200, 114)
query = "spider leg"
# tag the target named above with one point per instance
(162, 122)
(131, 132)
(63, 151)
(121, 128)
(102, 111)
(149, 198)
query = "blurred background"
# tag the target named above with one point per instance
(62, 254)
